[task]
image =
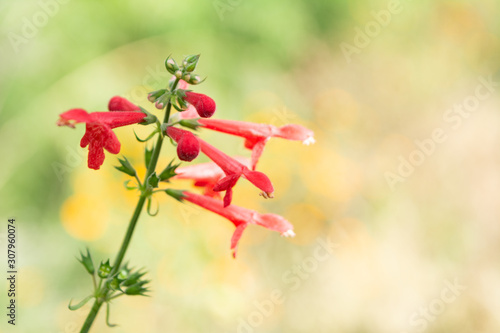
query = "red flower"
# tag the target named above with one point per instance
(256, 135)
(188, 146)
(241, 217)
(204, 105)
(98, 134)
(118, 103)
(205, 175)
(234, 170)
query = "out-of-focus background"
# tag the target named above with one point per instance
(396, 207)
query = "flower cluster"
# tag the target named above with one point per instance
(195, 112)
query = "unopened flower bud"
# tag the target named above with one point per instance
(153, 96)
(178, 74)
(204, 105)
(190, 62)
(195, 79)
(188, 146)
(171, 65)
(104, 270)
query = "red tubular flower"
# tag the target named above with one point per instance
(256, 135)
(241, 217)
(204, 105)
(188, 146)
(234, 170)
(205, 175)
(98, 134)
(118, 103)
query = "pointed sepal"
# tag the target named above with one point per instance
(176, 194)
(168, 172)
(190, 123)
(86, 261)
(126, 167)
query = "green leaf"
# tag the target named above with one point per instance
(79, 305)
(126, 167)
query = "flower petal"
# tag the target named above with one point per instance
(274, 222)
(118, 119)
(204, 105)
(236, 237)
(260, 180)
(118, 103)
(257, 150)
(73, 116)
(295, 132)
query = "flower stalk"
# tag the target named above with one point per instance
(131, 226)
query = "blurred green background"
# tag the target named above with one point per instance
(411, 254)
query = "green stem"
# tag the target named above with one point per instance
(92, 314)
(133, 222)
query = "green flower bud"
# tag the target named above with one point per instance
(171, 65)
(114, 284)
(104, 270)
(190, 62)
(153, 96)
(194, 80)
